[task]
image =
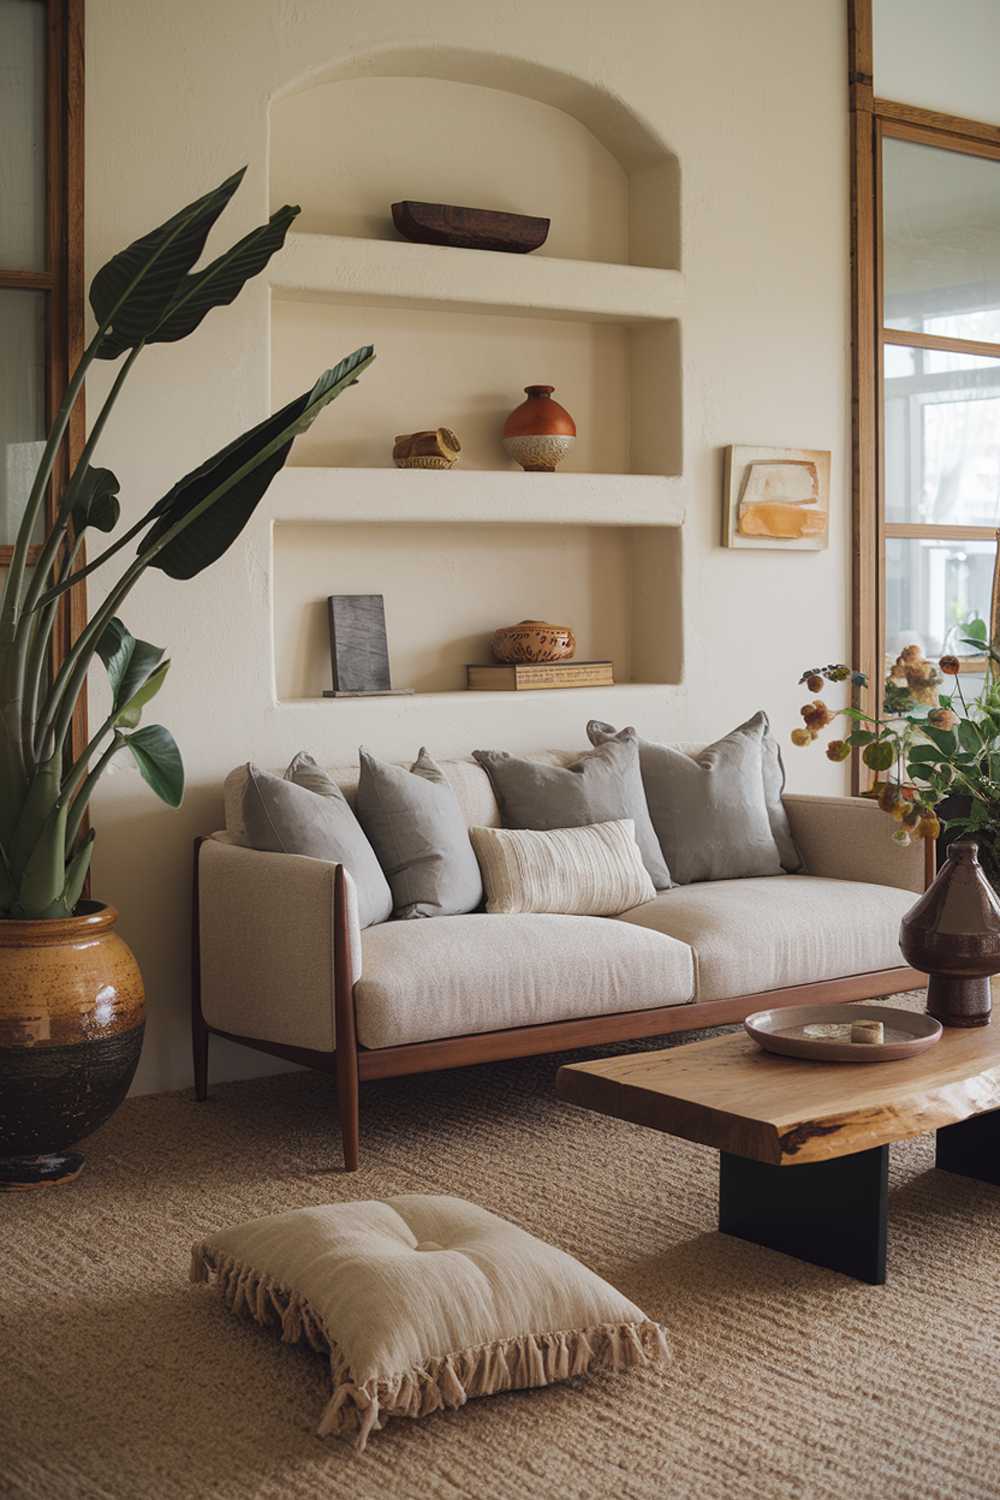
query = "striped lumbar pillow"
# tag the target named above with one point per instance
(595, 871)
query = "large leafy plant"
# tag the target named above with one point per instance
(150, 293)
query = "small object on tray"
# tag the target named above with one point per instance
(468, 228)
(872, 1032)
(823, 1033)
(426, 450)
(523, 676)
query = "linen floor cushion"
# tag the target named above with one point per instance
(415, 825)
(709, 810)
(304, 812)
(578, 872)
(420, 1302)
(602, 786)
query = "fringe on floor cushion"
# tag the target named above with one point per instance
(531, 1359)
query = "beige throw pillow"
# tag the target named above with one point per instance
(421, 1302)
(578, 872)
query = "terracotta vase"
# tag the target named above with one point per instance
(539, 433)
(953, 935)
(533, 640)
(71, 1025)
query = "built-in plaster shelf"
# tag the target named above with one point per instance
(486, 497)
(622, 691)
(343, 268)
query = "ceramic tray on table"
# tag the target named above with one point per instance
(822, 1033)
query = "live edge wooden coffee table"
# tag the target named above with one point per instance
(804, 1146)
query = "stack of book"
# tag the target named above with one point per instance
(527, 676)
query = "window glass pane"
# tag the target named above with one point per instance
(941, 240)
(22, 402)
(22, 134)
(933, 591)
(942, 438)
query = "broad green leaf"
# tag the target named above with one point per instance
(977, 630)
(130, 713)
(925, 753)
(133, 291)
(968, 736)
(990, 651)
(129, 662)
(944, 739)
(159, 760)
(223, 279)
(879, 755)
(97, 506)
(241, 472)
(860, 737)
(76, 874)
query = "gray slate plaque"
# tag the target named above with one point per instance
(358, 648)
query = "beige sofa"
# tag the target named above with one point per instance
(280, 963)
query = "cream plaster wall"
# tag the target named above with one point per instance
(179, 94)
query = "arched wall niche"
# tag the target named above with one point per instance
(595, 312)
(454, 125)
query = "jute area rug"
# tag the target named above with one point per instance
(118, 1379)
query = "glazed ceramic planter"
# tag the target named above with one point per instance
(539, 433)
(953, 935)
(71, 1025)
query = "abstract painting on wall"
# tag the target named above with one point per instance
(777, 498)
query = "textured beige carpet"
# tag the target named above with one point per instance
(118, 1379)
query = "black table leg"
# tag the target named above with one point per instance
(832, 1213)
(971, 1148)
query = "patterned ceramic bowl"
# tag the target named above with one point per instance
(533, 640)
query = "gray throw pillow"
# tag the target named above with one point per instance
(416, 828)
(715, 813)
(603, 786)
(305, 812)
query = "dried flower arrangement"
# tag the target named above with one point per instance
(924, 747)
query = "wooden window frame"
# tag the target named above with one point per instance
(873, 119)
(62, 282)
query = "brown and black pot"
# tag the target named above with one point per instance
(71, 1025)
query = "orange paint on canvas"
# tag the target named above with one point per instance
(782, 521)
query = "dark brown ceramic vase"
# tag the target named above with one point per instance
(71, 1025)
(953, 935)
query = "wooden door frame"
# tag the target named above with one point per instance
(871, 119)
(62, 279)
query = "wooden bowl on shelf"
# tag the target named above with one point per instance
(533, 640)
(468, 228)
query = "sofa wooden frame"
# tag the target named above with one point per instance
(352, 1064)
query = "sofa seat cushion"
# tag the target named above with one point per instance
(459, 975)
(779, 930)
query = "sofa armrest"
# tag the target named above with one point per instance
(850, 838)
(267, 937)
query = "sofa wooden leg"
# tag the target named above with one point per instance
(199, 1052)
(348, 1108)
(346, 1043)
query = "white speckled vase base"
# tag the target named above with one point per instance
(543, 453)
